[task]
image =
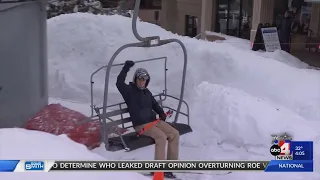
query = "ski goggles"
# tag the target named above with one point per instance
(143, 76)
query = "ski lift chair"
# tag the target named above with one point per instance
(116, 123)
(118, 138)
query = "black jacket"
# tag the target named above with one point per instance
(141, 103)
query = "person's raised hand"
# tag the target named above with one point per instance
(128, 64)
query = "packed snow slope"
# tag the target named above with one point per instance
(237, 98)
(26, 144)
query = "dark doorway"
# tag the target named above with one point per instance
(191, 26)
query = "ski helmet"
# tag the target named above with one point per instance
(141, 73)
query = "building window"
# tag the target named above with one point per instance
(234, 17)
(191, 26)
(150, 4)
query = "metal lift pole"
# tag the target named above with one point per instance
(134, 24)
(145, 42)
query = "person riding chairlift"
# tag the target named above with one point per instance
(142, 107)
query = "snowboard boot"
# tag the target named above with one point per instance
(169, 175)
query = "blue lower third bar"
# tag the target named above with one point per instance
(290, 166)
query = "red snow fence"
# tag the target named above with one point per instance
(57, 119)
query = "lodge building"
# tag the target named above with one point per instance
(239, 18)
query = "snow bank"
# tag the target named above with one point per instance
(243, 96)
(80, 43)
(204, 143)
(237, 118)
(246, 45)
(231, 40)
(27, 144)
(286, 58)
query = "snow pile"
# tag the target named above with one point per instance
(84, 42)
(200, 144)
(237, 97)
(240, 119)
(286, 58)
(27, 144)
(296, 89)
(246, 45)
(232, 40)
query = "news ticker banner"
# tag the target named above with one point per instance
(153, 166)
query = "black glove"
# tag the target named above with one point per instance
(128, 64)
(163, 117)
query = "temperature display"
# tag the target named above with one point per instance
(302, 150)
(298, 148)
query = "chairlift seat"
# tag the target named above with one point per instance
(133, 142)
(121, 117)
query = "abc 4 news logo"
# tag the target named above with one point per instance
(275, 150)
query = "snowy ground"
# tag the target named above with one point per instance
(26, 144)
(237, 97)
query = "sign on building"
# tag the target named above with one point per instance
(271, 39)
